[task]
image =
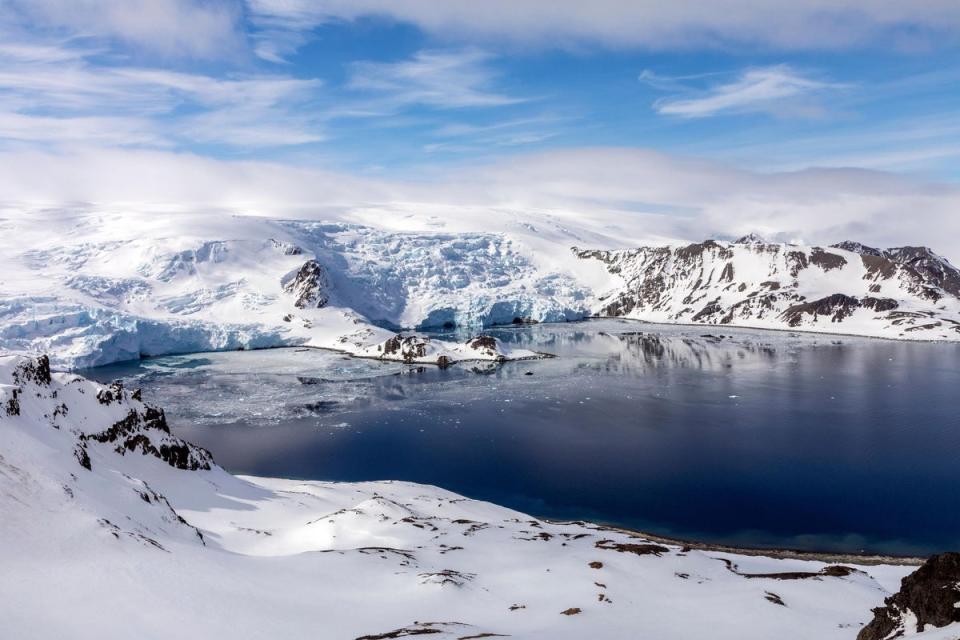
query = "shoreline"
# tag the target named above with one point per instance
(830, 557)
(864, 558)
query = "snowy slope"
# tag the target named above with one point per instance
(91, 289)
(94, 286)
(904, 293)
(113, 528)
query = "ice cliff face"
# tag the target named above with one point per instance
(907, 292)
(109, 292)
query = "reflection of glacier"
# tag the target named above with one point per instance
(607, 347)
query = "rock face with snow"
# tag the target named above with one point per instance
(928, 599)
(308, 286)
(172, 536)
(907, 292)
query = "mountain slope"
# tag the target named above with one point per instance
(132, 540)
(905, 293)
(91, 288)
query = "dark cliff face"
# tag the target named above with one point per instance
(929, 597)
(143, 428)
(753, 281)
(309, 286)
(927, 274)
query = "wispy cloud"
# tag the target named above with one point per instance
(439, 79)
(778, 90)
(776, 24)
(53, 93)
(192, 28)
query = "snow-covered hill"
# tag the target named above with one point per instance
(92, 287)
(906, 292)
(114, 528)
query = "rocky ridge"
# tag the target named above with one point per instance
(906, 292)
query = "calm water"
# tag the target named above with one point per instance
(761, 439)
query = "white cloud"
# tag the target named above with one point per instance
(659, 194)
(193, 28)
(783, 24)
(442, 79)
(777, 90)
(52, 94)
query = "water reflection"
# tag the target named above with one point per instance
(761, 438)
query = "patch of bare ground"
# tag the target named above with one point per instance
(832, 571)
(417, 629)
(644, 549)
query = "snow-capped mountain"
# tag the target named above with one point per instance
(906, 292)
(101, 500)
(91, 288)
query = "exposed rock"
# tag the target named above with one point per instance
(309, 286)
(642, 549)
(856, 247)
(929, 597)
(12, 406)
(148, 433)
(486, 346)
(826, 260)
(36, 370)
(111, 393)
(837, 307)
(752, 282)
(407, 348)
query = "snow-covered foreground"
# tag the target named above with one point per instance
(114, 528)
(91, 287)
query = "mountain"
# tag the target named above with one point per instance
(112, 526)
(906, 292)
(91, 287)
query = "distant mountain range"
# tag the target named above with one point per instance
(91, 288)
(903, 292)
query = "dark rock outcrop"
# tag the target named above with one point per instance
(752, 282)
(309, 286)
(148, 433)
(837, 307)
(35, 370)
(407, 348)
(928, 597)
(487, 346)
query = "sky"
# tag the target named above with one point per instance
(792, 118)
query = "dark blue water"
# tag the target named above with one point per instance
(758, 439)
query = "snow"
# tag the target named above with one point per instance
(92, 287)
(755, 284)
(114, 552)
(95, 285)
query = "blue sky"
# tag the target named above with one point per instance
(820, 119)
(398, 90)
